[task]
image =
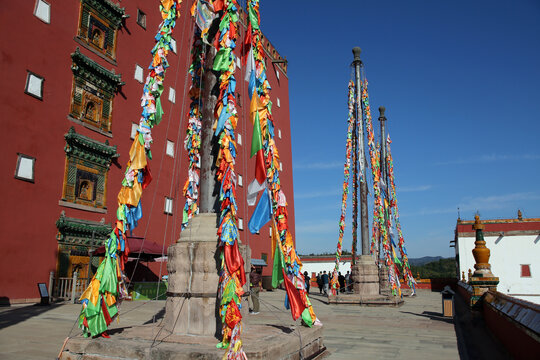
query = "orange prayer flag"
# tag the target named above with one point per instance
(167, 4)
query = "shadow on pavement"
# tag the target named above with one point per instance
(158, 316)
(474, 339)
(320, 298)
(431, 315)
(19, 314)
(285, 329)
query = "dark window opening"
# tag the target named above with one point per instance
(141, 18)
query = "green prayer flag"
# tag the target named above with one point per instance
(277, 273)
(253, 19)
(109, 281)
(256, 141)
(185, 217)
(141, 139)
(222, 60)
(159, 111)
(306, 317)
(224, 22)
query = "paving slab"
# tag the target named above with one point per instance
(415, 330)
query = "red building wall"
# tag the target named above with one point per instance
(37, 127)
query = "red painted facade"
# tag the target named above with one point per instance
(504, 225)
(36, 128)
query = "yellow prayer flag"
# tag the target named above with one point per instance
(137, 155)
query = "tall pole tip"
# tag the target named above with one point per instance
(356, 52)
(382, 109)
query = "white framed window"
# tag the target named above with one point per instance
(168, 206)
(240, 224)
(134, 128)
(170, 148)
(238, 63)
(277, 73)
(280, 166)
(25, 167)
(270, 231)
(278, 103)
(138, 73)
(240, 181)
(173, 45)
(279, 133)
(42, 11)
(141, 18)
(239, 139)
(34, 85)
(172, 95)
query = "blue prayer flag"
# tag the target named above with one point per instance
(262, 213)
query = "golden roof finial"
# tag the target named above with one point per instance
(477, 223)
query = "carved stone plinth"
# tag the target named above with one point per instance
(384, 285)
(480, 285)
(366, 276)
(193, 265)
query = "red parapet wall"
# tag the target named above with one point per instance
(432, 284)
(509, 319)
(464, 290)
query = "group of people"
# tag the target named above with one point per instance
(323, 280)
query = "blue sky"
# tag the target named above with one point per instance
(461, 84)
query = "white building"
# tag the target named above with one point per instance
(515, 254)
(315, 263)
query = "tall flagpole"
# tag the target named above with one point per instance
(363, 184)
(384, 171)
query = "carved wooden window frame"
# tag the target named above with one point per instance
(93, 83)
(104, 17)
(87, 160)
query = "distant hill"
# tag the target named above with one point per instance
(424, 260)
(441, 268)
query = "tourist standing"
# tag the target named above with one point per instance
(341, 280)
(320, 282)
(255, 280)
(306, 280)
(325, 282)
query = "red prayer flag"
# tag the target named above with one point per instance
(260, 172)
(295, 300)
(247, 45)
(105, 311)
(234, 261)
(218, 5)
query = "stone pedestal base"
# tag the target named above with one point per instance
(366, 277)
(193, 266)
(370, 300)
(151, 342)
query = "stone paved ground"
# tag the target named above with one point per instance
(414, 331)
